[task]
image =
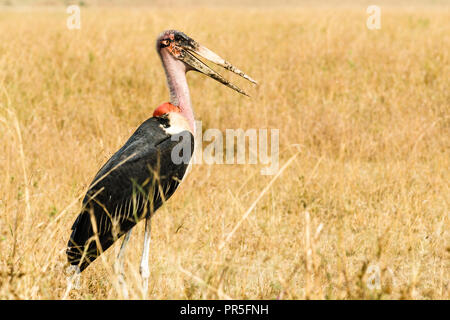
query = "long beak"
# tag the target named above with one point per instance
(198, 65)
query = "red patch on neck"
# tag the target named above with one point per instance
(165, 108)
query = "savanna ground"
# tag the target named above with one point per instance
(368, 191)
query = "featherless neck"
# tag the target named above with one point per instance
(178, 88)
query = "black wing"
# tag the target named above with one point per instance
(133, 184)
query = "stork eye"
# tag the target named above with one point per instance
(165, 43)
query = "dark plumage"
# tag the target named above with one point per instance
(132, 185)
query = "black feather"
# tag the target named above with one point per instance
(133, 184)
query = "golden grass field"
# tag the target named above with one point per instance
(369, 110)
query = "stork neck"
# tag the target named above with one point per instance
(178, 88)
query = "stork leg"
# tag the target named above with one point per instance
(73, 280)
(119, 265)
(144, 270)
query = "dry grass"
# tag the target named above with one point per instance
(370, 110)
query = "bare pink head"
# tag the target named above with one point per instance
(177, 50)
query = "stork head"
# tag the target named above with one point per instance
(182, 47)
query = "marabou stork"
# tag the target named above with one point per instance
(141, 175)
